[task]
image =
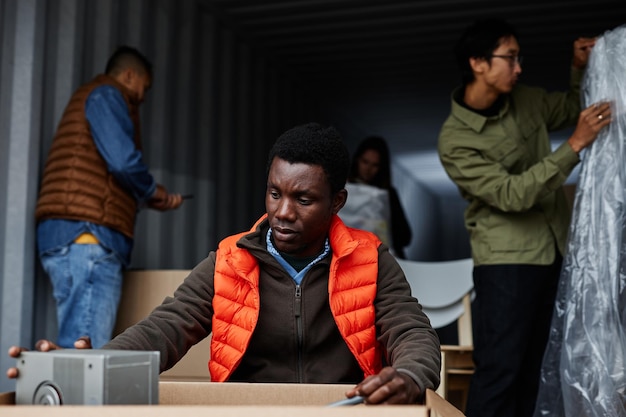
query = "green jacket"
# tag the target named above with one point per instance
(505, 168)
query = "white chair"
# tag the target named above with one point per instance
(444, 289)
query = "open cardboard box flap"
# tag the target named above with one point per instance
(198, 393)
(241, 399)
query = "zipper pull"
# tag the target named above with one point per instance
(298, 300)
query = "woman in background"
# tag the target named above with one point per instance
(371, 166)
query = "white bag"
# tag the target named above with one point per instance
(367, 208)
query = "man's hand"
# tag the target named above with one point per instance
(590, 122)
(582, 50)
(44, 346)
(162, 200)
(388, 387)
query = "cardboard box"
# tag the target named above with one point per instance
(192, 399)
(186, 388)
(142, 291)
(7, 398)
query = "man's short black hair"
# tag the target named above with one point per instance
(313, 144)
(126, 57)
(479, 40)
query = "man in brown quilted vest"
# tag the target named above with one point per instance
(93, 183)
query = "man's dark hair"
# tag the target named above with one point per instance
(313, 144)
(126, 57)
(479, 40)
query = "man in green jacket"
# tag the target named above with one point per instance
(495, 146)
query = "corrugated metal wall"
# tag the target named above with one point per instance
(215, 107)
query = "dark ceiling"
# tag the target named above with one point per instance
(387, 66)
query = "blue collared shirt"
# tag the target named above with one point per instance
(113, 131)
(297, 276)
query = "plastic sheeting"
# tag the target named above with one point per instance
(583, 371)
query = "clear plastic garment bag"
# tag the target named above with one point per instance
(583, 371)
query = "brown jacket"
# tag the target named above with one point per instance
(76, 184)
(273, 354)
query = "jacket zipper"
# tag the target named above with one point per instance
(298, 313)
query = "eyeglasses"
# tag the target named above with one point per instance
(513, 59)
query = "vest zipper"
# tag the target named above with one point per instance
(298, 314)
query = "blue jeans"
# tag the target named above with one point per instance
(87, 282)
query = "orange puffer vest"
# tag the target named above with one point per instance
(236, 301)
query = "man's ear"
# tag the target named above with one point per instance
(478, 65)
(339, 200)
(126, 77)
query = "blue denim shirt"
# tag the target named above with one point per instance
(296, 275)
(113, 131)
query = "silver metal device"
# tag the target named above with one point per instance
(87, 377)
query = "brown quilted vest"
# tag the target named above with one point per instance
(76, 184)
